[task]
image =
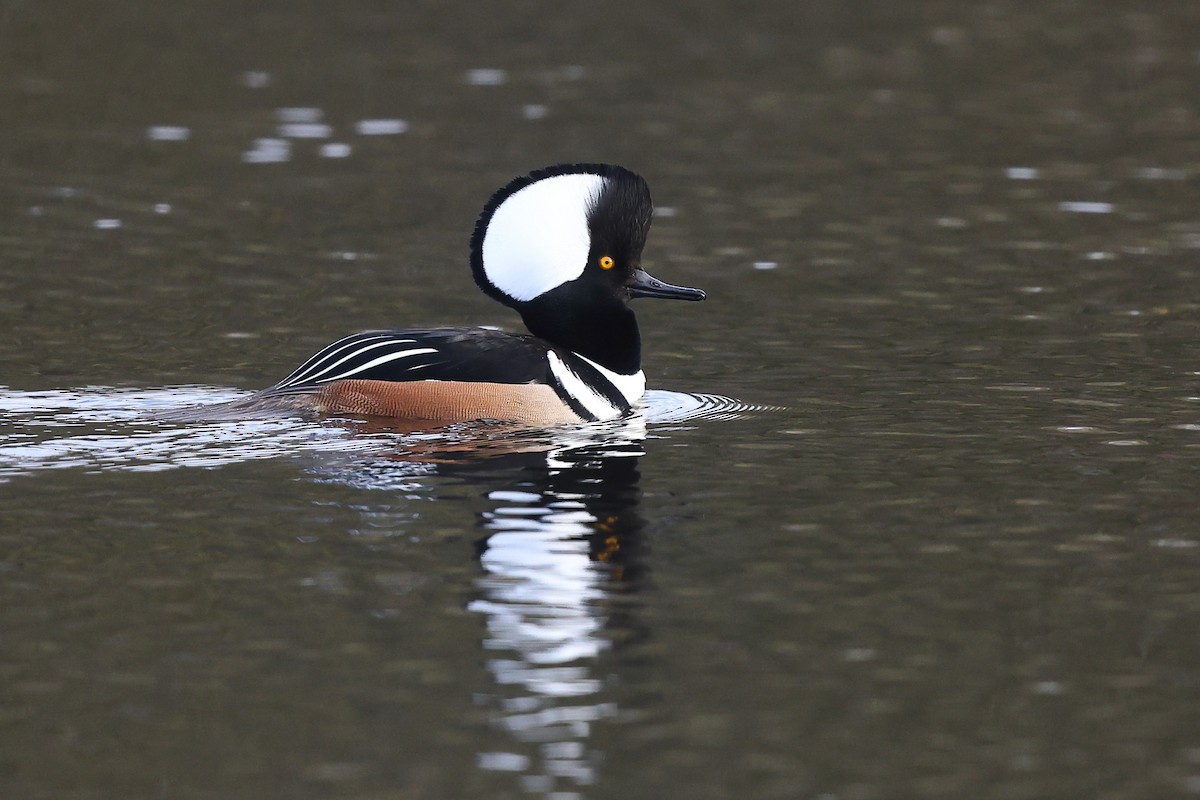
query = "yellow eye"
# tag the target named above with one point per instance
(606, 262)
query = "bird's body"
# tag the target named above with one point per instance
(562, 246)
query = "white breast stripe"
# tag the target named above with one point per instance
(329, 352)
(377, 362)
(596, 404)
(632, 387)
(312, 375)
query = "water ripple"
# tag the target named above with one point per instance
(104, 428)
(664, 407)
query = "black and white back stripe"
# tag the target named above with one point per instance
(355, 355)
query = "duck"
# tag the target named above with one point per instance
(562, 246)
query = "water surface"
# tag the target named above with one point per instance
(954, 243)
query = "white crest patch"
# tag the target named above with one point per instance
(538, 237)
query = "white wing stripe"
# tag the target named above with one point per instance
(315, 362)
(312, 375)
(377, 362)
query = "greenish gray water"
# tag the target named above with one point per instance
(955, 242)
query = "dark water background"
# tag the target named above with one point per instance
(956, 240)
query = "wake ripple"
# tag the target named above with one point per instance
(665, 407)
(100, 428)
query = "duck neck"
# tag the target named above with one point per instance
(604, 332)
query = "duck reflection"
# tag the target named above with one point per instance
(562, 541)
(560, 557)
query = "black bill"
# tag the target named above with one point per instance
(646, 285)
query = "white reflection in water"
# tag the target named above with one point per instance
(168, 133)
(256, 79)
(534, 111)
(1086, 207)
(305, 130)
(299, 114)
(487, 77)
(557, 548)
(1022, 173)
(268, 151)
(380, 127)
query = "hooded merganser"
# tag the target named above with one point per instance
(562, 246)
